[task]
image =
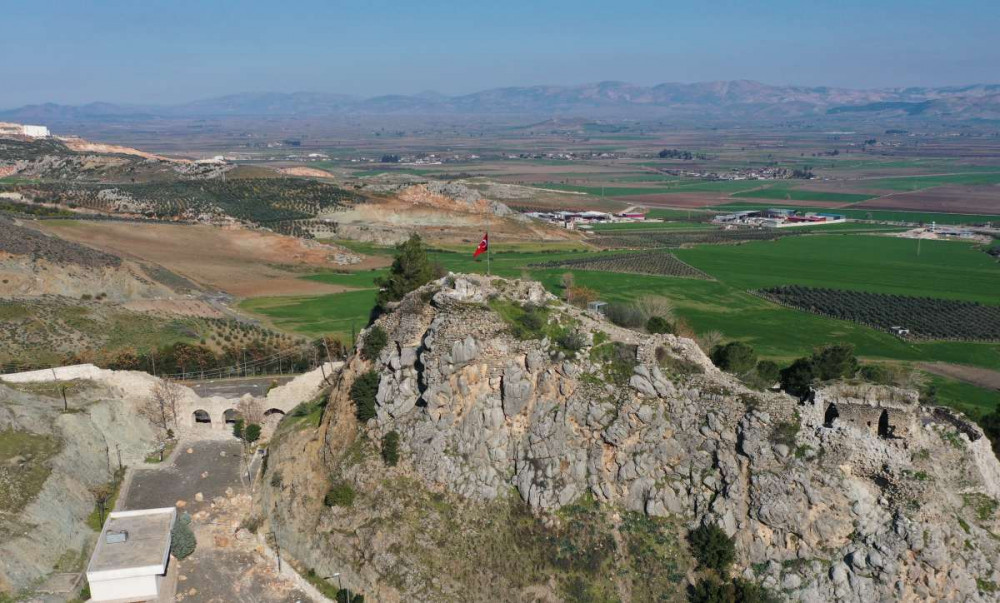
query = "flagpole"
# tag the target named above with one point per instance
(488, 250)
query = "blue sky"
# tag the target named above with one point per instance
(148, 51)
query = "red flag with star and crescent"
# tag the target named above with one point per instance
(483, 245)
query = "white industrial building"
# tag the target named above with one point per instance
(12, 129)
(131, 557)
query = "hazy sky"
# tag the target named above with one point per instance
(162, 52)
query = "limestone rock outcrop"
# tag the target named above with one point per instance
(855, 494)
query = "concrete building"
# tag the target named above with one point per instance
(130, 560)
(12, 129)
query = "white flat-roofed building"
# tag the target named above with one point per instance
(131, 557)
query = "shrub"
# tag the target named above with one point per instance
(573, 341)
(340, 495)
(877, 373)
(658, 324)
(363, 392)
(252, 433)
(624, 315)
(735, 357)
(751, 592)
(798, 378)
(345, 596)
(532, 320)
(276, 479)
(784, 432)
(655, 305)
(712, 548)
(390, 448)
(711, 590)
(991, 427)
(375, 341)
(182, 540)
(238, 429)
(767, 373)
(835, 361)
(581, 296)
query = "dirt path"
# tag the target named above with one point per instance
(981, 377)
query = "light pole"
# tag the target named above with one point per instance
(340, 587)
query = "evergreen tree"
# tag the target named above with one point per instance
(411, 269)
(182, 540)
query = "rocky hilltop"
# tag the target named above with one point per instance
(568, 460)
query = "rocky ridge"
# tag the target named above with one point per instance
(857, 493)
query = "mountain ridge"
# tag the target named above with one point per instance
(713, 99)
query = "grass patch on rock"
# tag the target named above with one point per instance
(24, 467)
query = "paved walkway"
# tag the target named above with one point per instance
(228, 564)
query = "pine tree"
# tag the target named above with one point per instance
(411, 269)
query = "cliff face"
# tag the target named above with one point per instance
(568, 461)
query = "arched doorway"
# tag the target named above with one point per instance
(230, 416)
(202, 416)
(884, 429)
(831, 415)
(273, 416)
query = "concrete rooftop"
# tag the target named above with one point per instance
(147, 545)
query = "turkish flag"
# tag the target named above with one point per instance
(483, 245)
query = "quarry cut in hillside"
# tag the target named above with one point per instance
(566, 459)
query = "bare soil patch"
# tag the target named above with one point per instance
(949, 199)
(306, 172)
(240, 262)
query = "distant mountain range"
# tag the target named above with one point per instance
(718, 100)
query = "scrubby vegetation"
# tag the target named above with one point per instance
(375, 341)
(339, 495)
(363, 392)
(390, 448)
(712, 547)
(24, 467)
(835, 361)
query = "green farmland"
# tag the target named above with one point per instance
(881, 215)
(872, 263)
(793, 194)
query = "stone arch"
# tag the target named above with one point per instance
(201, 416)
(230, 415)
(884, 429)
(272, 417)
(832, 414)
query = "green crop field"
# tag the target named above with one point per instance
(881, 264)
(914, 183)
(870, 214)
(865, 263)
(792, 194)
(970, 399)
